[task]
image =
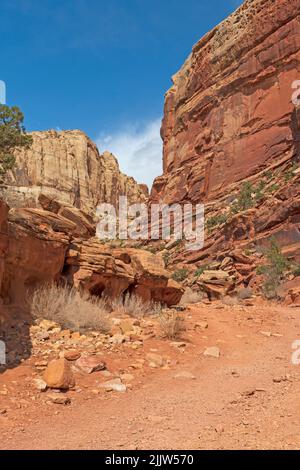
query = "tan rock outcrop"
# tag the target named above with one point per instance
(68, 167)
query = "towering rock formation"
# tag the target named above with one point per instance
(67, 166)
(229, 115)
(231, 134)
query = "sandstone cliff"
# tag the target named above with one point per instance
(231, 139)
(229, 115)
(67, 166)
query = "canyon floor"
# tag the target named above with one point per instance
(248, 398)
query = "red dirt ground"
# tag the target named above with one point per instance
(249, 398)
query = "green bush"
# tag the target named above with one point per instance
(273, 272)
(200, 271)
(216, 221)
(245, 200)
(12, 136)
(180, 275)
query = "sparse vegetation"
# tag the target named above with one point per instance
(135, 306)
(296, 270)
(273, 272)
(200, 271)
(259, 191)
(180, 275)
(289, 174)
(191, 297)
(12, 135)
(244, 200)
(171, 324)
(65, 306)
(268, 175)
(166, 257)
(216, 221)
(273, 188)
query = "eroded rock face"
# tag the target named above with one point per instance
(229, 114)
(68, 167)
(113, 272)
(39, 246)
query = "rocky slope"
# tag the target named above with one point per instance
(67, 166)
(231, 137)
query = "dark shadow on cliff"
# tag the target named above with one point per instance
(296, 133)
(15, 346)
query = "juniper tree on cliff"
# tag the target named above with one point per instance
(12, 136)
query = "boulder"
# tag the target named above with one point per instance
(59, 375)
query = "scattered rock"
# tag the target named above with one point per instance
(178, 345)
(59, 375)
(90, 364)
(72, 355)
(212, 352)
(40, 385)
(42, 335)
(48, 325)
(58, 399)
(155, 360)
(41, 364)
(219, 428)
(268, 334)
(118, 339)
(203, 325)
(126, 326)
(114, 385)
(127, 377)
(185, 376)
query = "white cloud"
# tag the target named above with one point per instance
(138, 150)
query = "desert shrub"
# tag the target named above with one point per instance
(135, 306)
(273, 188)
(171, 324)
(65, 306)
(268, 175)
(289, 174)
(216, 221)
(244, 200)
(180, 275)
(200, 271)
(259, 190)
(296, 270)
(191, 297)
(274, 270)
(166, 257)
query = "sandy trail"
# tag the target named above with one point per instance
(247, 399)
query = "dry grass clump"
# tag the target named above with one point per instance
(171, 324)
(191, 297)
(135, 306)
(65, 306)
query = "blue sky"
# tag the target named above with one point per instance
(101, 66)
